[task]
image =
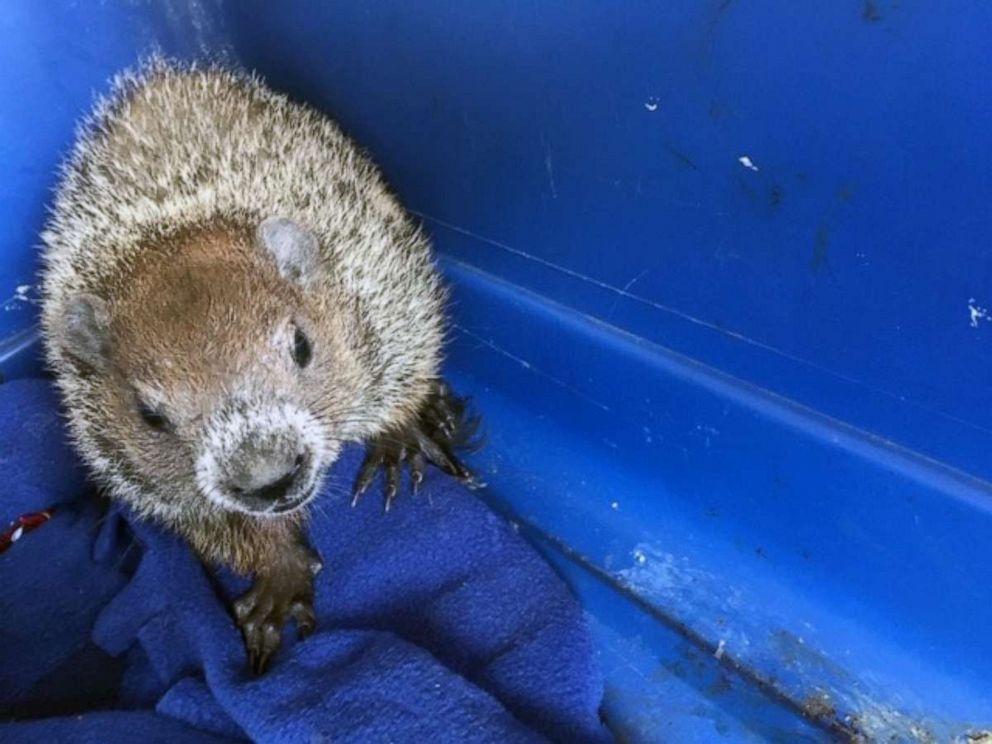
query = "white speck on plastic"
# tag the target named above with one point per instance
(651, 104)
(747, 163)
(615, 506)
(21, 295)
(977, 313)
(718, 654)
(640, 558)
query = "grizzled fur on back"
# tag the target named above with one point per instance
(157, 216)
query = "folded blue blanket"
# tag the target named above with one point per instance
(435, 621)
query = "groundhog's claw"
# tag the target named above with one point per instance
(443, 427)
(261, 614)
(284, 593)
(302, 612)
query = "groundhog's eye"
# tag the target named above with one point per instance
(152, 417)
(301, 349)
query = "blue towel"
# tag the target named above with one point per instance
(436, 622)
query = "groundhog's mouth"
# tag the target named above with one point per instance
(264, 507)
(288, 491)
(292, 505)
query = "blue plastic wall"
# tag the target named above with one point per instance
(720, 275)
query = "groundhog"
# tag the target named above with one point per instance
(230, 294)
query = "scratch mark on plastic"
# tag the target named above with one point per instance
(821, 250)
(691, 319)
(530, 367)
(718, 15)
(623, 293)
(551, 174)
(683, 158)
(549, 166)
(823, 689)
(636, 279)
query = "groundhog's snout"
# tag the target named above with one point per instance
(261, 457)
(268, 479)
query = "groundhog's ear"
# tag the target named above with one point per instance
(292, 246)
(85, 330)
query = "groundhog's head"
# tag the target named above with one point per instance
(216, 367)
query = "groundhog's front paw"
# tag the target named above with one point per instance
(262, 611)
(443, 427)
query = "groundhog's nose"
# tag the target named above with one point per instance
(266, 486)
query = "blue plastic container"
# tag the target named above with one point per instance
(721, 273)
